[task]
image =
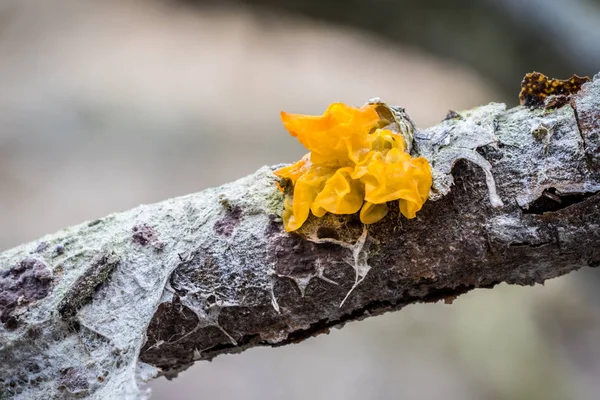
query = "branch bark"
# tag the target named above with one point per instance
(96, 309)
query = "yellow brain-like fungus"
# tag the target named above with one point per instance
(353, 165)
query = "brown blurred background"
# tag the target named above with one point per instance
(106, 104)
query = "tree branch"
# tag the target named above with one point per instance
(96, 309)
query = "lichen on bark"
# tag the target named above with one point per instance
(168, 284)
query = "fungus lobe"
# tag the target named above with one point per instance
(355, 164)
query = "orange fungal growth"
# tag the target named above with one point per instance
(334, 137)
(353, 166)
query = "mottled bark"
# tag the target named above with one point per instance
(94, 310)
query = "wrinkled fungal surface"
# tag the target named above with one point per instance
(95, 310)
(359, 160)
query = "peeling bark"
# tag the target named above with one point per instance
(94, 310)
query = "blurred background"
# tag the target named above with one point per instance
(106, 104)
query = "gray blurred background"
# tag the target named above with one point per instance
(106, 104)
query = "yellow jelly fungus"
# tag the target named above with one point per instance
(353, 165)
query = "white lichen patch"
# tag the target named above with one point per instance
(208, 315)
(458, 139)
(273, 298)
(505, 228)
(100, 360)
(359, 257)
(547, 143)
(302, 281)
